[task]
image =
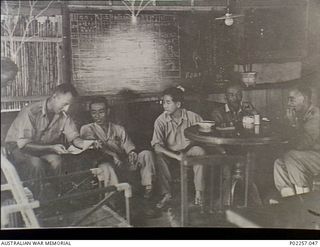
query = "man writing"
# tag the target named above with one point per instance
(34, 139)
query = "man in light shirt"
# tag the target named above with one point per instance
(119, 152)
(34, 139)
(169, 143)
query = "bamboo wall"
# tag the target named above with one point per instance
(38, 59)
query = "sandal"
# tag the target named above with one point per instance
(164, 201)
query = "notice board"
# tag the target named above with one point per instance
(111, 54)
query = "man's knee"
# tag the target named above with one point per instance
(161, 158)
(107, 174)
(196, 151)
(278, 165)
(292, 160)
(291, 155)
(145, 154)
(54, 160)
(35, 163)
(106, 166)
(198, 169)
(34, 168)
(146, 157)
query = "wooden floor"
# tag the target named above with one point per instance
(170, 215)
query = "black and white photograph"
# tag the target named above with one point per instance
(160, 114)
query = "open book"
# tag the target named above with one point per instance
(87, 144)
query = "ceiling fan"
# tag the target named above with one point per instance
(228, 17)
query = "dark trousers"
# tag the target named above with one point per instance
(36, 167)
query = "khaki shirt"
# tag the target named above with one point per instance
(113, 135)
(170, 134)
(308, 130)
(32, 126)
(224, 115)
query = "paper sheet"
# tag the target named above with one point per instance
(74, 150)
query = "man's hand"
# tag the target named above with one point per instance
(179, 156)
(59, 149)
(116, 158)
(133, 158)
(248, 107)
(117, 161)
(97, 144)
(291, 116)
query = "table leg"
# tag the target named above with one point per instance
(249, 168)
(247, 180)
(211, 189)
(184, 194)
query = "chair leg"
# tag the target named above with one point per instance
(184, 195)
(221, 196)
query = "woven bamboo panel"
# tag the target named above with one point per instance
(38, 59)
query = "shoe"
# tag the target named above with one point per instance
(164, 201)
(147, 192)
(152, 213)
(198, 199)
(273, 201)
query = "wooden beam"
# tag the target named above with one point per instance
(272, 3)
(32, 39)
(22, 98)
(149, 8)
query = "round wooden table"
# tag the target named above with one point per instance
(248, 139)
(259, 135)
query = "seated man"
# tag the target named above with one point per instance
(35, 136)
(233, 111)
(231, 114)
(169, 143)
(294, 170)
(117, 145)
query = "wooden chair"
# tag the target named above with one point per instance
(211, 161)
(24, 203)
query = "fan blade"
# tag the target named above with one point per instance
(221, 18)
(236, 16)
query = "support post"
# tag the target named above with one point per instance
(66, 44)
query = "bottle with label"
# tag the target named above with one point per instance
(256, 119)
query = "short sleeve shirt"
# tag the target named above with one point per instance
(32, 126)
(113, 133)
(170, 134)
(224, 115)
(308, 130)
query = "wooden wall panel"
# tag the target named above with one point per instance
(258, 99)
(274, 104)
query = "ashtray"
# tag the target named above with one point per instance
(206, 126)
